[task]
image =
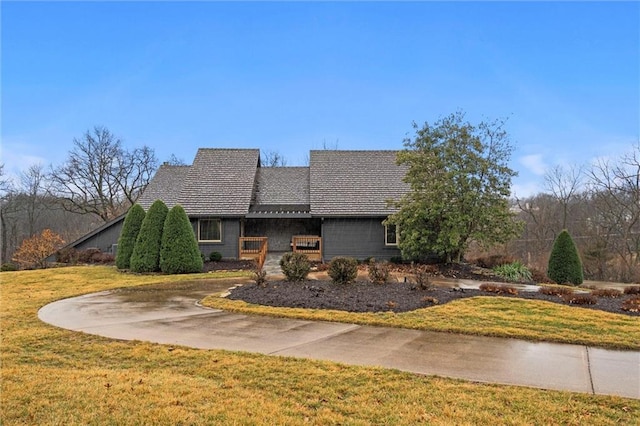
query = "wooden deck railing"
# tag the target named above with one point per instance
(311, 245)
(254, 248)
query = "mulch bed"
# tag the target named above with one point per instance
(229, 265)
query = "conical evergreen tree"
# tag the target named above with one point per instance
(128, 235)
(146, 252)
(179, 253)
(565, 265)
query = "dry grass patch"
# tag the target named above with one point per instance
(483, 316)
(55, 376)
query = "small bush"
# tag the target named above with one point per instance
(396, 260)
(260, 277)
(493, 261)
(215, 256)
(430, 300)
(295, 266)
(498, 288)
(634, 289)
(33, 251)
(555, 291)
(421, 276)
(565, 266)
(611, 293)
(580, 299)
(67, 255)
(87, 255)
(343, 270)
(632, 304)
(103, 258)
(514, 271)
(8, 267)
(378, 272)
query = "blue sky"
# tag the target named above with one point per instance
(295, 76)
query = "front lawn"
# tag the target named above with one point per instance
(55, 376)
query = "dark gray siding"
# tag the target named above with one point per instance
(280, 231)
(104, 239)
(230, 235)
(359, 238)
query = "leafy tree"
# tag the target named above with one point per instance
(34, 251)
(101, 177)
(565, 265)
(459, 189)
(179, 253)
(128, 235)
(146, 251)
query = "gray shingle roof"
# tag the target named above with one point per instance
(352, 183)
(166, 185)
(220, 182)
(282, 185)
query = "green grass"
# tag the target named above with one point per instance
(55, 376)
(483, 316)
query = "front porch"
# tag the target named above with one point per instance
(256, 248)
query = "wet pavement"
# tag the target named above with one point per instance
(169, 314)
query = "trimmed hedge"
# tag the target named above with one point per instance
(565, 265)
(130, 231)
(146, 252)
(179, 252)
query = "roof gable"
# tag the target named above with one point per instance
(166, 185)
(220, 182)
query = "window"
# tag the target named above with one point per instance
(210, 230)
(391, 235)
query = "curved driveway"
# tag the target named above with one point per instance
(170, 315)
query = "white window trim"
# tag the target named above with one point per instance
(386, 234)
(220, 230)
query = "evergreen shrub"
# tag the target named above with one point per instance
(565, 266)
(343, 270)
(295, 266)
(128, 235)
(146, 251)
(179, 252)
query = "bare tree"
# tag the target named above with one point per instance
(100, 177)
(563, 184)
(273, 159)
(33, 187)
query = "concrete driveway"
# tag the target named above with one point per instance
(170, 315)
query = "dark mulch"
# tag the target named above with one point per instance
(363, 296)
(229, 265)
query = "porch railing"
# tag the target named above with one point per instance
(253, 248)
(311, 245)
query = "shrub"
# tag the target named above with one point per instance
(67, 255)
(396, 260)
(538, 276)
(378, 272)
(8, 267)
(580, 299)
(490, 262)
(565, 265)
(260, 277)
(607, 292)
(179, 252)
(128, 235)
(498, 288)
(215, 256)
(555, 291)
(295, 266)
(87, 255)
(430, 300)
(632, 304)
(33, 252)
(634, 289)
(515, 272)
(343, 270)
(146, 252)
(421, 276)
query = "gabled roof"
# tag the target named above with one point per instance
(355, 183)
(220, 182)
(165, 185)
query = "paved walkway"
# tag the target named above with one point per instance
(173, 317)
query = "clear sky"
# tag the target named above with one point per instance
(295, 76)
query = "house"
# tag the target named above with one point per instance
(334, 207)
